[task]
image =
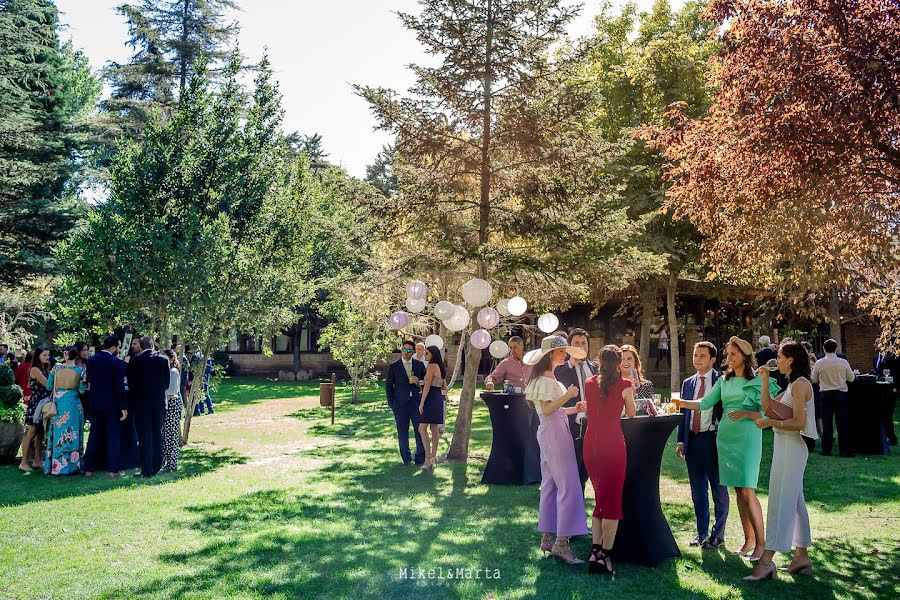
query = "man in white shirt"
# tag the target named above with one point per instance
(832, 374)
(420, 354)
(697, 447)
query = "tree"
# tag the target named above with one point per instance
(637, 66)
(356, 336)
(46, 93)
(381, 172)
(168, 37)
(803, 128)
(492, 159)
(203, 233)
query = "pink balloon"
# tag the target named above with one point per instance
(481, 339)
(399, 320)
(488, 317)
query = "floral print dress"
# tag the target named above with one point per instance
(65, 431)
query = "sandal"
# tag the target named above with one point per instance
(562, 551)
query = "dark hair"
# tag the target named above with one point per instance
(80, 346)
(713, 351)
(37, 360)
(29, 356)
(800, 367)
(5, 345)
(408, 343)
(516, 339)
(610, 358)
(436, 359)
(830, 346)
(560, 333)
(749, 364)
(540, 367)
(576, 332)
(71, 353)
(111, 342)
(172, 355)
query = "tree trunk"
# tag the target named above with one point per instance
(354, 381)
(296, 331)
(834, 318)
(674, 343)
(459, 352)
(195, 395)
(462, 430)
(649, 301)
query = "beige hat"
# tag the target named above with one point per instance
(744, 345)
(549, 344)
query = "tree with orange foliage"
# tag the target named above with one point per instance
(794, 176)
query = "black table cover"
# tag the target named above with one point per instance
(515, 456)
(644, 536)
(869, 402)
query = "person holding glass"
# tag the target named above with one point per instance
(633, 371)
(739, 441)
(787, 517)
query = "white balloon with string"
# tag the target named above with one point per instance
(498, 349)
(503, 308)
(434, 340)
(443, 310)
(415, 305)
(517, 306)
(548, 323)
(477, 292)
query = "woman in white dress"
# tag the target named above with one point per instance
(787, 522)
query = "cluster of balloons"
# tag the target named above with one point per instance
(476, 293)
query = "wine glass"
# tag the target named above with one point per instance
(887, 375)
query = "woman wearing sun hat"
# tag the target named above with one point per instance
(739, 441)
(561, 513)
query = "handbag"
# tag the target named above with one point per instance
(49, 409)
(779, 410)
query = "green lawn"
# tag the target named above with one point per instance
(274, 501)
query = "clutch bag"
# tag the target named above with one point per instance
(779, 410)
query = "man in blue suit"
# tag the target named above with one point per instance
(697, 447)
(403, 395)
(108, 409)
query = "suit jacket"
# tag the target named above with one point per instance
(765, 355)
(688, 389)
(148, 380)
(566, 375)
(397, 384)
(890, 362)
(106, 381)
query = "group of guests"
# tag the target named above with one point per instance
(134, 407)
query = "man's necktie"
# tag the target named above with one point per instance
(695, 417)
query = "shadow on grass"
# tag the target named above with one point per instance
(22, 488)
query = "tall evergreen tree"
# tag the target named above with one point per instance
(46, 91)
(168, 37)
(381, 172)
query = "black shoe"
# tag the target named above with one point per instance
(598, 566)
(697, 541)
(713, 543)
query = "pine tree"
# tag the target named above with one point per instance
(381, 172)
(46, 90)
(168, 38)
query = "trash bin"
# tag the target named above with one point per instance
(326, 394)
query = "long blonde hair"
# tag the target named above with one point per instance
(637, 361)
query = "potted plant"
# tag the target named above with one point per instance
(12, 415)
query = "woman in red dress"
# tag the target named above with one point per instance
(604, 452)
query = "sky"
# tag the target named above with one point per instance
(317, 48)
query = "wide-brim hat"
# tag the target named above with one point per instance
(549, 344)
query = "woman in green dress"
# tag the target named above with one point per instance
(65, 430)
(739, 441)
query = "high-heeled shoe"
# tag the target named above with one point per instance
(742, 552)
(562, 551)
(547, 541)
(805, 568)
(769, 571)
(599, 562)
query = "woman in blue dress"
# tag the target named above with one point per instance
(431, 405)
(65, 430)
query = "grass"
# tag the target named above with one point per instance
(274, 501)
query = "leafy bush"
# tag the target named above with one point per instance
(11, 408)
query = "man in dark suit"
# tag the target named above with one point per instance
(403, 396)
(108, 409)
(891, 362)
(148, 378)
(576, 372)
(697, 447)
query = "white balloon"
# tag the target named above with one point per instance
(498, 349)
(461, 312)
(455, 324)
(517, 306)
(480, 338)
(503, 307)
(443, 310)
(548, 323)
(477, 292)
(488, 317)
(415, 305)
(434, 340)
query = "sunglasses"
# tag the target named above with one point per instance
(407, 350)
